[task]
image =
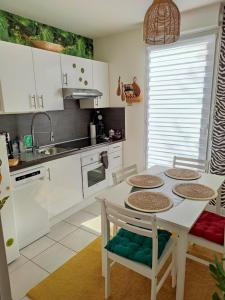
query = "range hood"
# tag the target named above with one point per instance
(77, 94)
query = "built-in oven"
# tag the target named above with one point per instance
(95, 175)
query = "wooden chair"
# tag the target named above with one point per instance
(190, 163)
(143, 225)
(123, 174)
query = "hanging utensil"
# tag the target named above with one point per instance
(118, 92)
(123, 96)
(136, 88)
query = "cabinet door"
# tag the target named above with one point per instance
(76, 72)
(47, 71)
(17, 83)
(101, 83)
(65, 184)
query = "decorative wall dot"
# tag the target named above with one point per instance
(80, 79)
(74, 66)
(82, 70)
(86, 82)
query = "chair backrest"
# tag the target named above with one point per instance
(190, 163)
(133, 221)
(122, 174)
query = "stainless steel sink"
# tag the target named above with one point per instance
(50, 150)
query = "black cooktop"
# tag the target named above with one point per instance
(83, 143)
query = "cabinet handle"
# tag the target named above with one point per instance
(33, 101)
(65, 79)
(42, 101)
(49, 174)
(115, 147)
(116, 157)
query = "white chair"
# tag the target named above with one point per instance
(214, 241)
(143, 225)
(122, 174)
(190, 163)
(201, 166)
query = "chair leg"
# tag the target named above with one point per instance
(115, 229)
(154, 288)
(224, 261)
(107, 276)
(174, 270)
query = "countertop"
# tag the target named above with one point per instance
(66, 148)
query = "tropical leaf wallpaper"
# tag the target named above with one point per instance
(21, 30)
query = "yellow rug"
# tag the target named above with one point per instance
(80, 279)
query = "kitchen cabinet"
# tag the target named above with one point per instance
(64, 186)
(115, 159)
(76, 72)
(17, 85)
(47, 70)
(100, 83)
(30, 79)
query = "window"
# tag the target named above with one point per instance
(179, 95)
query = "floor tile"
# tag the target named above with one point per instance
(25, 278)
(94, 208)
(93, 225)
(54, 257)
(79, 218)
(17, 263)
(78, 240)
(61, 230)
(37, 247)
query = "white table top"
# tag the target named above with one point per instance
(183, 215)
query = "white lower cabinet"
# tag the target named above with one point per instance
(64, 187)
(115, 160)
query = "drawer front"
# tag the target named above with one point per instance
(115, 159)
(87, 160)
(115, 147)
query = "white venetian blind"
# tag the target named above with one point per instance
(179, 99)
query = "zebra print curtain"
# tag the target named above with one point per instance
(217, 165)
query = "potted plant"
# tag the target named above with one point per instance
(218, 274)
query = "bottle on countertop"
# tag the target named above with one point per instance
(111, 133)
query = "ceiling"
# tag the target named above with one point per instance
(92, 18)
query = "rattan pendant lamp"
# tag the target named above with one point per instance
(162, 23)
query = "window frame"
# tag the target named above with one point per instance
(184, 40)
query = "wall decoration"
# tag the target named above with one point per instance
(20, 30)
(129, 92)
(217, 165)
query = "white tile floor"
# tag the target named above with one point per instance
(50, 252)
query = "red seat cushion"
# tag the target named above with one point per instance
(210, 227)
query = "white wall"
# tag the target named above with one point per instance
(125, 53)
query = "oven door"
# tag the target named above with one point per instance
(95, 178)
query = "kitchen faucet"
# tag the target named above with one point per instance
(35, 143)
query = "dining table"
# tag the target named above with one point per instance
(179, 219)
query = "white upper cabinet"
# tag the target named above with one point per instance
(76, 72)
(100, 83)
(47, 70)
(17, 85)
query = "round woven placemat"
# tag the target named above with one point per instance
(145, 181)
(182, 174)
(194, 191)
(149, 202)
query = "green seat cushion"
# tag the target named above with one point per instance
(137, 247)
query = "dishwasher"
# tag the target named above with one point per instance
(30, 204)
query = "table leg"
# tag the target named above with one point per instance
(181, 264)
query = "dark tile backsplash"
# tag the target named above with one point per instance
(72, 123)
